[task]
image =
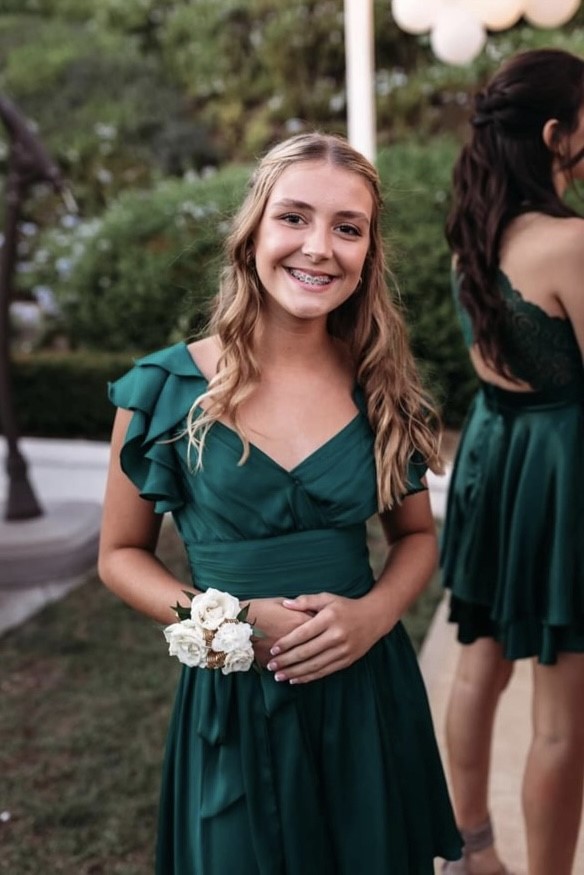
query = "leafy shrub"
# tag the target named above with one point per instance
(416, 181)
(65, 394)
(140, 277)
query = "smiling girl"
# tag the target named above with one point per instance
(272, 441)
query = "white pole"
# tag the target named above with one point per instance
(361, 123)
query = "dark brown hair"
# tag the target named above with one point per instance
(506, 169)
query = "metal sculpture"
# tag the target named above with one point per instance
(28, 164)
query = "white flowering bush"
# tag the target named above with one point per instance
(139, 277)
(213, 633)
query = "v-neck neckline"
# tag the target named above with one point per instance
(234, 437)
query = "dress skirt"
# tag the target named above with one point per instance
(513, 544)
(338, 776)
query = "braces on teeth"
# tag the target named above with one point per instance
(312, 280)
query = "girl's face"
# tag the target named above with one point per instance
(312, 240)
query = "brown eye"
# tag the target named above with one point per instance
(292, 218)
(351, 230)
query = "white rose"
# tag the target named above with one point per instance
(231, 636)
(210, 608)
(238, 660)
(187, 643)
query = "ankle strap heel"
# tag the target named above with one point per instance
(477, 839)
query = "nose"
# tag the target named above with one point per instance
(317, 244)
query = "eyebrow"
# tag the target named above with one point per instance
(290, 203)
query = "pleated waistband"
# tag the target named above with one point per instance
(503, 400)
(286, 565)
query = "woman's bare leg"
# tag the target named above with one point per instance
(481, 676)
(554, 774)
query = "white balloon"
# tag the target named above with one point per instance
(457, 36)
(415, 16)
(550, 13)
(497, 14)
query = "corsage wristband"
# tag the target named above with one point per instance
(213, 633)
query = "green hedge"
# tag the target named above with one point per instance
(65, 394)
(416, 179)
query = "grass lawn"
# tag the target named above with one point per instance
(86, 688)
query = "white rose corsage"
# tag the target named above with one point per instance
(212, 633)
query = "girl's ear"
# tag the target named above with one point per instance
(551, 134)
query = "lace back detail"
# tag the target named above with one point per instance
(540, 349)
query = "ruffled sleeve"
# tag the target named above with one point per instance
(416, 470)
(160, 390)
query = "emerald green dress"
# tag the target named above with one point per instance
(513, 543)
(340, 776)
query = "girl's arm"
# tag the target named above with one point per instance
(344, 629)
(129, 533)
(127, 564)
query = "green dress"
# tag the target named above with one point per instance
(513, 542)
(337, 777)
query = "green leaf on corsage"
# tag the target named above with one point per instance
(182, 612)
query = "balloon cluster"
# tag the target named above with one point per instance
(458, 28)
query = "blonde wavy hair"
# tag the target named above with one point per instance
(400, 412)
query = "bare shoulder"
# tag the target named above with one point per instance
(544, 234)
(565, 247)
(205, 353)
(569, 261)
(569, 238)
(540, 251)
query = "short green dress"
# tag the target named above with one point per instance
(513, 543)
(340, 776)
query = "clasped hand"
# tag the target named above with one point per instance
(333, 632)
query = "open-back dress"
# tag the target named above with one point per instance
(340, 776)
(513, 546)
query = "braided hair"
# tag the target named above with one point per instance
(506, 169)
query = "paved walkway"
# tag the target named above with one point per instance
(68, 478)
(75, 471)
(512, 729)
(512, 733)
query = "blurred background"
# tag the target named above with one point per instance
(154, 111)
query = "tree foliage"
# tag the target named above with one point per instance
(187, 83)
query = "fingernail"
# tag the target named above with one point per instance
(293, 680)
(288, 602)
(280, 676)
(274, 651)
(272, 666)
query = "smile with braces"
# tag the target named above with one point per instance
(302, 277)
